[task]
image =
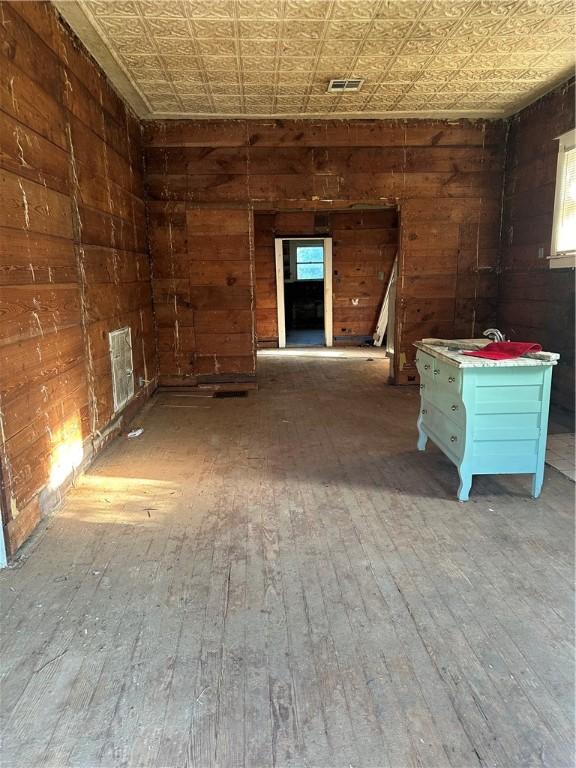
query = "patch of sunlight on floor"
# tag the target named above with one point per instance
(104, 499)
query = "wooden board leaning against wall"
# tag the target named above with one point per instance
(444, 177)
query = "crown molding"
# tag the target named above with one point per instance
(421, 115)
(83, 27)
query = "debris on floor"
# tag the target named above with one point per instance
(230, 393)
(135, 433)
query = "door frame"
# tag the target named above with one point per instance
(279, 260)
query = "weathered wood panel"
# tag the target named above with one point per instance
(445, 178)
(31, 156)
(364, 247)
(221, 284)
(203, 292)
(536, 303)
(266, 227)
(40, 320)
(73, 258)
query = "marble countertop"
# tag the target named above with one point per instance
(450, 351)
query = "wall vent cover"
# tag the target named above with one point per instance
(345, 85)
(122, 367)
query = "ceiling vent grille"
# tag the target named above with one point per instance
(345, 86)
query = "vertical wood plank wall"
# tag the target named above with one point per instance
(445, 178)
(73, 258)
(536, 302)
(364, 245)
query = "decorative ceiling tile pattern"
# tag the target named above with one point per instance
(274, 58)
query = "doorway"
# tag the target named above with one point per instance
(304, 291)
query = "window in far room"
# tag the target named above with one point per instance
(563, 249)
(310, 262)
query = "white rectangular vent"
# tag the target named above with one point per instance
(120, 342)
(345, 86)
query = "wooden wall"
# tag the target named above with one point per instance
(536, 303)
(73, 258)
(265, 229)
(203, 284)
(364, 244)
(445, 177)
(203, 293)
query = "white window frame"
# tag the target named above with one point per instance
(309, 245)
(564, 259)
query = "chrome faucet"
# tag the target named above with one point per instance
(494, 334)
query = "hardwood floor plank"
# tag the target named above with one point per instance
(418, 714)
(257, 712)
(107, 611)
(206, 690)
(311, 707)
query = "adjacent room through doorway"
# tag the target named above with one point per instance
(322, 277)
(304, 291)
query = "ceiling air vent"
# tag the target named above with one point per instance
(345, 86)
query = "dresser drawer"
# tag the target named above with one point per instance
(449, 377)
(449, 403)
(444, 375)
(446, 433)
(424, 363)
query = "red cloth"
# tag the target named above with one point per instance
(505, 350)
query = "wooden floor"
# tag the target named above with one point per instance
(282, 580)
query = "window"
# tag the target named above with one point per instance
(309, 262)
(563, 249)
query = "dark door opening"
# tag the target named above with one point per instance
(304, 292)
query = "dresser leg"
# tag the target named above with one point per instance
(422, 439)
(465, 485)
(537, 481)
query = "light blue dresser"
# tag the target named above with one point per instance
(488, 417)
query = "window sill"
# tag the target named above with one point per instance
(563, 262)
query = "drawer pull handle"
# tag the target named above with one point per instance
(427, 367)
(454, 408)
(453, 439)
(451, 379)
(424, 412)
(436, 371)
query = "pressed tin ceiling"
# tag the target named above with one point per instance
(275, 58)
